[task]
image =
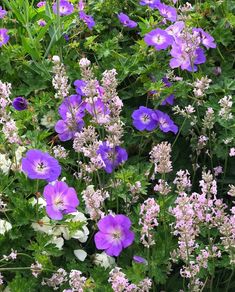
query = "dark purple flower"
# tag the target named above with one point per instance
(72, 107)
(206, 39)
(151, 3)
(66, 8)
(68, 128)
(169, 99)
(165, 123)
(79, 85)
(114, 234)
(140, 260)
(41, 4)
(159, 39)
(168, 12)
(87, 19)
(2, 12)
(66, 37)
(112, 156)
(143, 119)
(40, 165)
(99, 111)
(20, 103)
(126, 21)
(4, 37)
(61, 199)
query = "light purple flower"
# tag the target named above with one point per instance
(165, 123)
(87, 19)
(175, 29)
(143, 119)
(81, 5)
(151, 3)
(126, 21)
(72, 107)
(79, 86)
(66, 8)
(168, 12)
(4, 37)
(159, 39)
(67, 129)
(61, 199)
(206, 39)
(114, 234)
(140, 260)
(40, 165)
(2, 12)
(41, 4)
(99, 111)
(112, 156)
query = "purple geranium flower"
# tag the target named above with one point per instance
(61, 199)
(40, 165)
(79, 86)
(165, 123)
(168, 12)
(114, 234)
(72, 107)
(169, 99)
(112, 156)
(4, 37)
(68, 128)
(151, 3)
(206, 39)
(99, 111)
(140, 260)
(66, 8)
(41, 4)
(126, 21)
(2, 12)
(175, 29)
(143, 119)
(87, 19)
(20, 103)
(158, 38)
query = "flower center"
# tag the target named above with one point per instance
(145, 118)
(117, 235)
(41, 167)
(158, 39)
(58, 202)
(163, 123)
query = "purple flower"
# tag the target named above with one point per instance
(72, 107)
(66, 37)
(41, 4)
(114, 234)
(68, 128)
(206, 39)
(61, 199)
(20, 103)
(126, 21)
(99, 111)
(79, 86)
(112, 156)
(168, 12)
(4, 37)
(175, 29)
(42, 22)
(66, 8)
(81, 5)
(87, 19)
(169, 99)
(2, 12)
(140, 260)
(165, 123)
(40, 165)
(159, 39)
(143, 119)
(151, 3)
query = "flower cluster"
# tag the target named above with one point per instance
(60, 79)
